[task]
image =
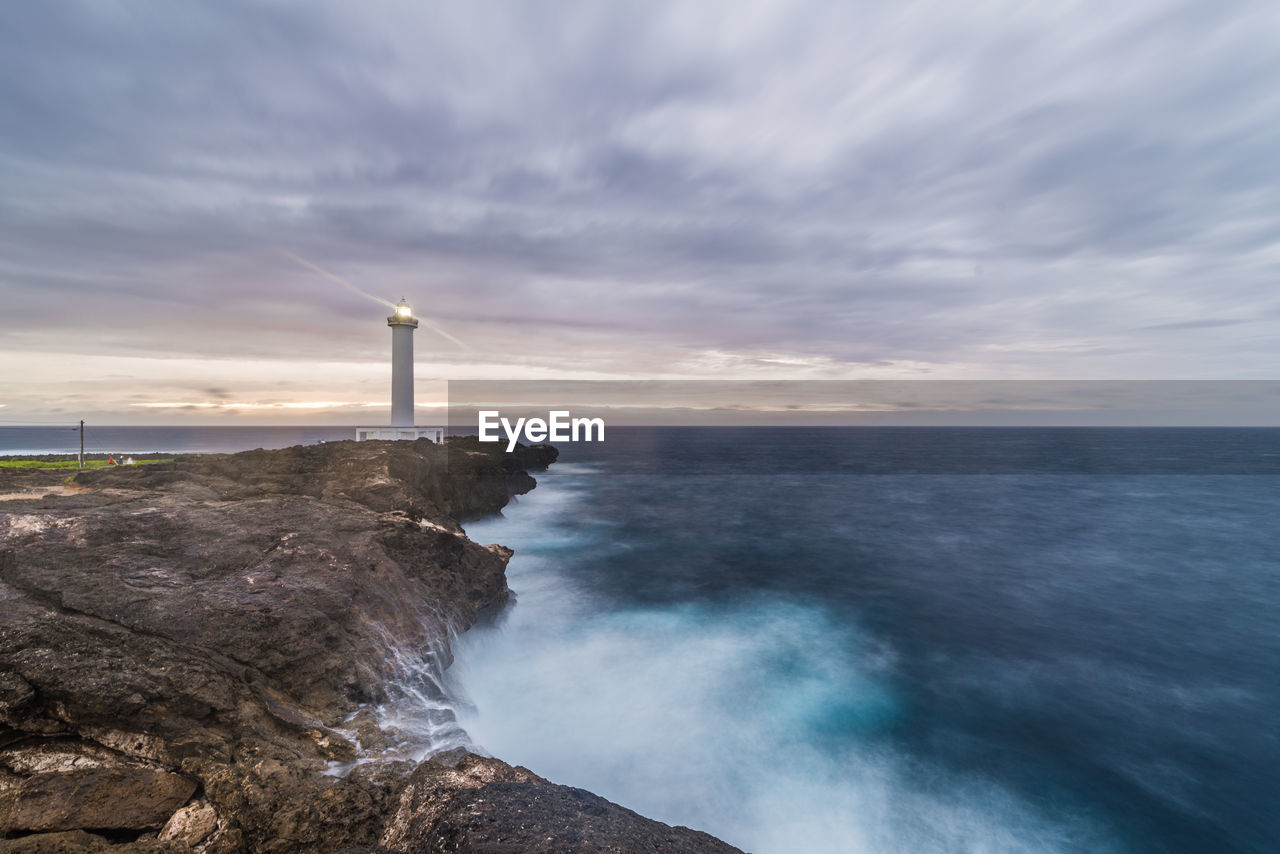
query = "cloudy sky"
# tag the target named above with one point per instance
(598, 190)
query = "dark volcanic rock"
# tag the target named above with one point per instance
(484, 806)
(460, 480)
(283, 561)
(80, 842)
(106, 798)
(186, 648)
(32, 480)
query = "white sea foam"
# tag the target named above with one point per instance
(714, 716)
(419, 708)
(417, 718)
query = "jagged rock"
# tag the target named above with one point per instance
(192, 824)
(460, 480)
(484, 806)
(430, 790)
(101, 798)
(221, 627)
(14, 694)
(80, 842)
(296, 567)
(38, 756)
(65, 842)
(31, 480)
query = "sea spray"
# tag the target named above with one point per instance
(417, 717)
(762, 720)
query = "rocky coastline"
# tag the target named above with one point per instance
(193, 656)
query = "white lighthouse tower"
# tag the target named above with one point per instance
(402, 324)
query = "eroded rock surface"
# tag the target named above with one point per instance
(190, 654)
(110, 797)
(483, 805)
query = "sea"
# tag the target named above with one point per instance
(887, 639)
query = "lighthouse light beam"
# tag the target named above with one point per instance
(379, 300)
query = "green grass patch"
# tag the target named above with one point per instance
(70, 464)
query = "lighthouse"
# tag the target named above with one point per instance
(402, 323)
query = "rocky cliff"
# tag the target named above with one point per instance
(194, 656)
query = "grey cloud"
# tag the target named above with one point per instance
(649, 179)
(1207, 323)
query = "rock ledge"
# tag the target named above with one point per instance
(189, 650)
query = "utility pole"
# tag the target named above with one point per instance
(82, 443)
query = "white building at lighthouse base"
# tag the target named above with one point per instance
(435, 434)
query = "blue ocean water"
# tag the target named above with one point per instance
(899, 662)
(886, 640)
